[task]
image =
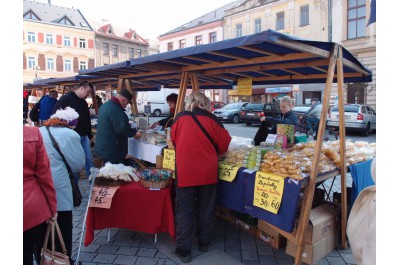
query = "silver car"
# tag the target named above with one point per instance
(230, 112)
(357, 117)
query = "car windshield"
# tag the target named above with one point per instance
(347, 108)
(253, 106)
(232, 106)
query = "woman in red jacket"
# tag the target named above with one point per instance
(40, 203)
(199, 138)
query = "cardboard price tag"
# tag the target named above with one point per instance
(244, 86)
(268, 191)
(169, 159)
(101, 196)
(227, 171)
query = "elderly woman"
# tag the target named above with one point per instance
(287, 116)
(196, 133)
(60, 126)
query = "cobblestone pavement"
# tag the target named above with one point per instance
(230, 245)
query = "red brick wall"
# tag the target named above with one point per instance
(42, 62)
(90, 44)
(40, 38)
(24, 58)
(59, 40)
(91, 63)
(76, 65)
(59, 63)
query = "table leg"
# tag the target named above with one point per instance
(155, 238)
(109, 234)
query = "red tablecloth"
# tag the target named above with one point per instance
(137, 208)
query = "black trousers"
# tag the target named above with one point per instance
(188, 201)
(262, 133)
(33, 243)
(64, 221)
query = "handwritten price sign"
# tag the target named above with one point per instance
(169, 159)
(227, 171)
(102, 196)
(268, 191)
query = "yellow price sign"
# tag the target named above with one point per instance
(244, 86)
(268, 191)
(227, 171)
(169, 159)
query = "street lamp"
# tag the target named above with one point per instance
(36, 67)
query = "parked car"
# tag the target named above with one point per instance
(230, 112)
(252, 112)
(216, 105)
(357, 117)
(300, 110)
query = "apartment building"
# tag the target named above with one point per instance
(115, 44)
(202, 30)
(57, 41)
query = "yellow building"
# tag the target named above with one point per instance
(57, 41)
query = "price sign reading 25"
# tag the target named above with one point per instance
(227, 171)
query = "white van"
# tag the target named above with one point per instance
(157, 99)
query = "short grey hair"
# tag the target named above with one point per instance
(288, 100)
(198, 100)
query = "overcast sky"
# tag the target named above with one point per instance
(150, 18)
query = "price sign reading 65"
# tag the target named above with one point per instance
(227, 171)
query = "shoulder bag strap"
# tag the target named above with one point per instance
(55, 144)
(205, 132)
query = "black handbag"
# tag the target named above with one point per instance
(34, 114)
(76, 193)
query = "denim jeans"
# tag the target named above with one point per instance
(310, 123)
(85, 142)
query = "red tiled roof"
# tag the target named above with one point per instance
(128, 36)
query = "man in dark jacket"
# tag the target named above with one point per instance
(113, 129)
(47, 105)
(76, 100)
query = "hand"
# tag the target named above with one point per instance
(262, 119)
(53, 218)
(137, 136)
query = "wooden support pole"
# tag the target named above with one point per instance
(133, 103)
(120, 83)
(181, 93)
(195, 82)
(62, 90)
(342, 136)
(309, 194)
(94, 100)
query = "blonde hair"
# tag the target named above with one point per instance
(198, 100)
(288, 100)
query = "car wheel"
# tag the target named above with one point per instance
(367, 130)
(235, 118)
(248, 123)
(157, 112)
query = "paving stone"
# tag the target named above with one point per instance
(161, 255)
(105, 258)
(264, 250)
(251, 262)
(102, 240)
(348, 258)
(236, 254)
(347, 250)
(146, 252)
(123, 242)
(127, 251)
(86, 256)
(249, 254)
(280, 252)
(169, 262)
(247, 244)
(285, 260)
(91, 248)
(125, 260)
(232, 244)
(146, 261)
(145, 244)
(322, 261)
(108, 249)
(268, 259)
(333, 253)
(335, 260)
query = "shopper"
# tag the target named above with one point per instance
(313, 116)
(40, 203)
(167, 122)
(199, 138)
(76, 100)
(113, 129)
(60, 126)
(287, 116)
(47, 105)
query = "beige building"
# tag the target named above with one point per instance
(114, 44)
(57, 41)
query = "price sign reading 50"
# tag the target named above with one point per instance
(227, 171)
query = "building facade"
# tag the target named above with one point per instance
(57, 41)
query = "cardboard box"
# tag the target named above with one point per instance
(270, 235)
(314, 252)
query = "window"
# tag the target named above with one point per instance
(356, 19)
(31, 37)
(257, 25)
(280, 21)
(106, 50)
(170, 46)
(31, 15)
(67, 41)
(82, 43)
(67, 65)
(131, 52)
(304, 16)
(198, 40)
(82, 65)
(238, 30)
(31, 62)
(114, 50)
(65, 21)
(182, 44)
(50, 64)
(139, 53)
(49, 39)
(213, 37)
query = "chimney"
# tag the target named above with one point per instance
(49, 1)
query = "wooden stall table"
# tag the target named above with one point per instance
(136, 208)
(143, 150)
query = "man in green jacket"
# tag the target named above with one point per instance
(113, 129)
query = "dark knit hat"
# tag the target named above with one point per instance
(126, 94)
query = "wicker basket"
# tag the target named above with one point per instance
(155, 184)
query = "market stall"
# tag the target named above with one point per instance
(266, 58)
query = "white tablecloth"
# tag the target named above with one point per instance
(143, 150)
